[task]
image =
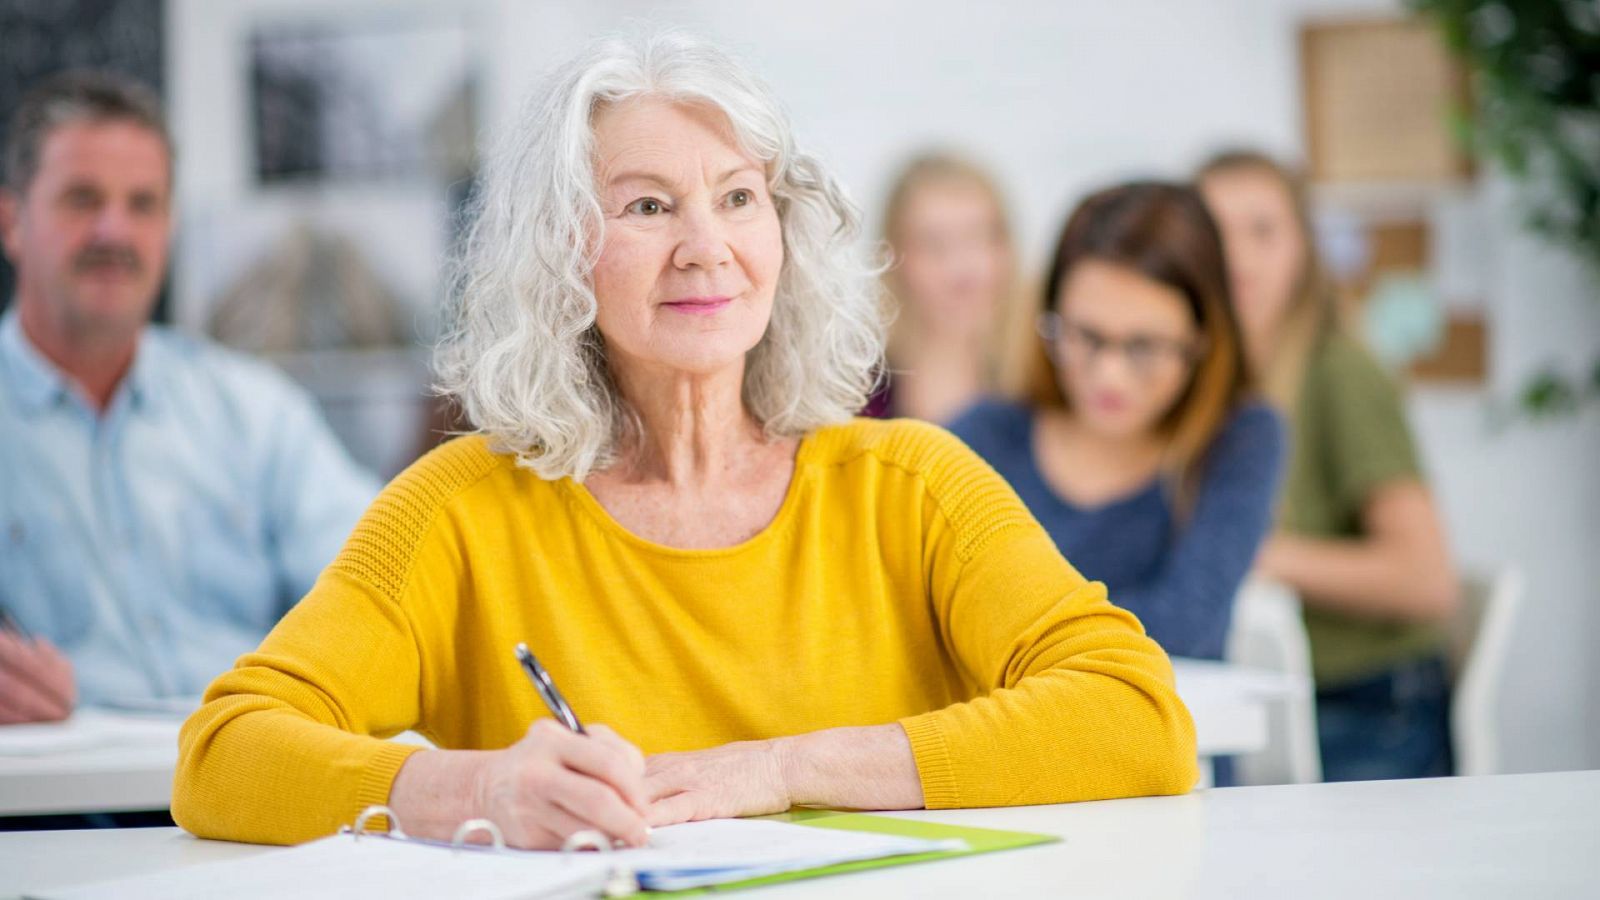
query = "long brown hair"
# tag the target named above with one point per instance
(1164, 232)
(1313, 310)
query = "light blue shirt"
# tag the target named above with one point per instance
(158, 541)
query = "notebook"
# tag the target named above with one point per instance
(719, 854)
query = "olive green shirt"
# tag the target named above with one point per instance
(1350, 437)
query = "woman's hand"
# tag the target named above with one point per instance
(540, 791)
(740, 779)
(555, 782)
(867, 767)
(36, 683)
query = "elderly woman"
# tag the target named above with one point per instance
(665, 323)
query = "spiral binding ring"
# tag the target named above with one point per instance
(473, 825)
(370, 812)
(588, 839)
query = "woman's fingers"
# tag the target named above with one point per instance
(553, 827)
(604, 756)
(596, 805)
(610, 738)
(665, 774)
(561, 782)
(672, 810)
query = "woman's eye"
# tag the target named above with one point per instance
(646, 206)
(1142, 349)
(741, 197)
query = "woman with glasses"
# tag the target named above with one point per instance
(1141, 447)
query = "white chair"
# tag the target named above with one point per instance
(1480, 645)
(1268, 633)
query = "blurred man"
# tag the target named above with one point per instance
(162, 501)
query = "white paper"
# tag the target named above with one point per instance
(680, 856)
(722, 850)
(373, 866)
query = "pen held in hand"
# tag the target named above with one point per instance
(547, 689)
(551, 695)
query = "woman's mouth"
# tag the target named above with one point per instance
(698, 306)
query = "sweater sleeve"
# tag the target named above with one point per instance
(1074, 702)
(289, 744)
(1187, 605)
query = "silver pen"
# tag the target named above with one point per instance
(547, 689)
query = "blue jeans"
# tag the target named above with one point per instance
(1392, 725)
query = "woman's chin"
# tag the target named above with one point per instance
(702, 360)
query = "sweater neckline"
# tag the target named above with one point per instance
(608, 524)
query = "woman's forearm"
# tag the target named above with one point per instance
(1398, 570)
(858, 768)
(1361, 578)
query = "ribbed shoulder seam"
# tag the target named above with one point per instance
(381, 550)
(972, 497)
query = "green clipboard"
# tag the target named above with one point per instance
(979, 840)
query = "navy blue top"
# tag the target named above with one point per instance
(1179, 578)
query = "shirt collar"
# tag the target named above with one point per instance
(38, 384)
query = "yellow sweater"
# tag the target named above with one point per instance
(901, 581)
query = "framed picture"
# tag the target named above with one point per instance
(361, 100)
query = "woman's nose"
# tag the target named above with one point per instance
(702, 242)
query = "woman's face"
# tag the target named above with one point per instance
(953, 256)
(1125, 346)
(692, 246)
(1266, 251)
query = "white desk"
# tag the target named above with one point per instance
(117, 763)
(1502, 836)
(1229, 706)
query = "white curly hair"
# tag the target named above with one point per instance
(522, 355)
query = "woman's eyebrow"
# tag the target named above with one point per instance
(662, 182)
(650, 177)
(738, 170)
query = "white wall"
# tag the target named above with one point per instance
(1058, 97)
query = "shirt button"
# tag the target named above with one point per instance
(17, 533)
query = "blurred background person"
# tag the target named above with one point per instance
(1359, 537)
(164, 500)
(952, 277)
(1140, 446)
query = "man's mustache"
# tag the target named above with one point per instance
(102, 255)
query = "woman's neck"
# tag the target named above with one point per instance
(938, 372)
(1090, 467)
(920, 341)
(695, 428)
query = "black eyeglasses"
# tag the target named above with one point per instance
(1148, 355)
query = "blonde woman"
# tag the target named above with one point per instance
(1359, 535)
(953, 274)
(665, 324)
